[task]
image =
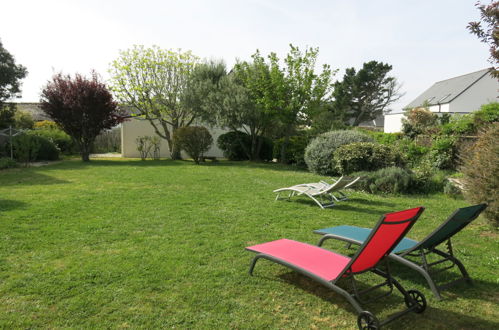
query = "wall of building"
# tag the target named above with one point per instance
(485, 90)
(135, 127)
(393, 122)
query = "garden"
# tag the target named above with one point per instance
(127, 243)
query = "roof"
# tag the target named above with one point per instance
(445, 91)
(34, 109)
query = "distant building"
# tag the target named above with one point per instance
(459, 95)
(34, 109)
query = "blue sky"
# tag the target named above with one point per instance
(425, 41)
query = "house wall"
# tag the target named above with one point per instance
(135, 127)
(393, 122)
(482, 92)
(440, 108)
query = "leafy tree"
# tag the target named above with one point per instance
(7, 115)
(194, 140)
(487, 30)
(81, 106)
(152, 81)
(10, 76)
(365, 94)
(299, 90)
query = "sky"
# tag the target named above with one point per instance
(424, 40)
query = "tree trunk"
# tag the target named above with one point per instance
(85, 152)
(284, 146)
(255, 148)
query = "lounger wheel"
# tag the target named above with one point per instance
(367, 321)
(415, 297)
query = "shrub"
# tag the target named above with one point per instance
(443, 153)
(23, 119)
(417, 121)
(459, 125)
(295, 151)
(481, 172)
(25, 148)
(6, 162)
(46, 124)
(452, 190)
(236, 145)
(233, 144)
(194, 140)
(57, 136)
(386, 180)
(365, 156)
(319, 152)
(144, 146)
(384, 138)
(413, 153)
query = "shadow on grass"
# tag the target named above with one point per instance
(7, 205)
(344, 206)
(433, 318)
(30, 177)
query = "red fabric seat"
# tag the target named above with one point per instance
(313, 259)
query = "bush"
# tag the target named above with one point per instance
(57, 136)
(386, 180)
(413, 153)
(24, 120)
(319, 152)
(443, 153)
(236, 145)
(384, 138)
(473, 122)
(25, 148)
(365, 156)
(6, 162)
(417, 121)
(233, 143)
(295, 151)
(148, 146)
(481, 172)
(194, 140)
(46, 124)
(452, 190)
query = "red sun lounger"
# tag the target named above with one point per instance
(328, 267)
(411, 248)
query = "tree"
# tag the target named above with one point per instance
(81, 106)
(487, 30)
(299, 90)
(10, 85)
(10, 75)
(152, 81)
(365, 94)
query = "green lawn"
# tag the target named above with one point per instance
(118, 244)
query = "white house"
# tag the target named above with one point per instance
(134, 127)
(459, 95)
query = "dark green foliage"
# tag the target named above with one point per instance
(319, 152)
(365, 94)
(412, 151)
(47, 149)
(194, 140)
(233, 145)
(57, 136)
(365, 156)
(236, 145)
(481, 172)
(295, 152)
(10, 76)
(6, 162)
(7, 112)
(443, 153)
(386, 180)
(26, 148)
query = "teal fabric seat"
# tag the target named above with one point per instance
(409, 247)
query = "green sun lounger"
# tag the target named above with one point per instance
(409, 247)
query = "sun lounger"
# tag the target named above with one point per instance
(412, 248)
(328, 268)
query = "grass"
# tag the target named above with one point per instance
(117, 244)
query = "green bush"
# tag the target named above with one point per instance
(295, 151)
(418, 121)
(384, 138)
(481, 172)
(386, 180)
(319, 152)
(471, 123)
(57, 136)
(25, 148)
(47, 150)
(365, 156)
(443, 153)
(413, 152)
(194, 140)
(236, 145)
(6, 162)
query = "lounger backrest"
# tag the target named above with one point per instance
(457, 221)
(391, 228)
(340, 184)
